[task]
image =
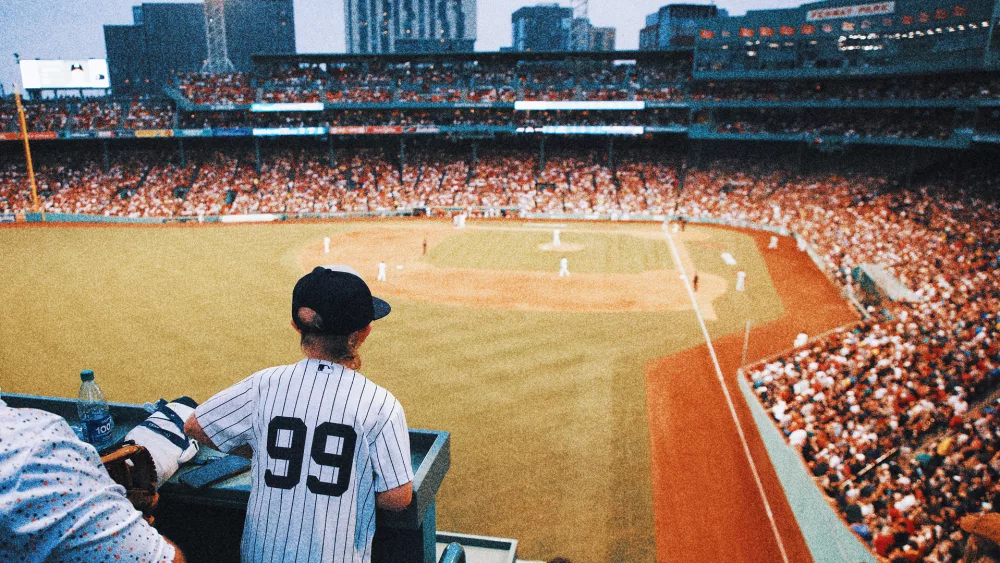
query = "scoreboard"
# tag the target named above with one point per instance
(53, 74)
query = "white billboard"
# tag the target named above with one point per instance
(83, 73)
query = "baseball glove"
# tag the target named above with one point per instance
(132, 467)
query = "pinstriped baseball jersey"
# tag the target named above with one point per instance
(325, 440)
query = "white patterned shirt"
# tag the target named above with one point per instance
(58, 503)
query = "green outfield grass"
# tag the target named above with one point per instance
(547, 410)
(520, 250)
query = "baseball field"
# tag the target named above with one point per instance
(558, 392)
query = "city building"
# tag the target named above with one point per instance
(675, 26)
(551, 27)
(258, 27)
(164, 40)
(543, 28)
(410, 26)
(602, 39)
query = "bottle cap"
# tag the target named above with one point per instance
(87, 375)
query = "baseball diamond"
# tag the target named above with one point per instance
(520, 360)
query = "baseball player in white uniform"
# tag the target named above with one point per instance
(563, 268)
(741, 280)
(555, 238)
(328, 445)
(381, 272)
(326, 245)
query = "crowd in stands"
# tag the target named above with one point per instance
(88, 114)
(894, 416)
(440, 83)
(884, 412)
(554, 81)
(929, 124)
(218, 89)
(958, 87)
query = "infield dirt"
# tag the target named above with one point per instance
(524, 290)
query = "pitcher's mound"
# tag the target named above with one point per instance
(564, 247)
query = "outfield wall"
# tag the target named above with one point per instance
(828, 537)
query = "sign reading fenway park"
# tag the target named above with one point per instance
(851, 11)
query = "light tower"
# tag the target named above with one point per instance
(215, 32)
(580, 8)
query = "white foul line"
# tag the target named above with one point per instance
(729, 399)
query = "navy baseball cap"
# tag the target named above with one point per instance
(340, 297)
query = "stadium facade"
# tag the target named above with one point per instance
(848, 38)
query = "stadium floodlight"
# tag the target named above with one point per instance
(215, 34)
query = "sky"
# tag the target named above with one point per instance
(72, 29)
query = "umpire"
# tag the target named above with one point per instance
(327, 444)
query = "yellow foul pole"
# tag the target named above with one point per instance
(27, 154)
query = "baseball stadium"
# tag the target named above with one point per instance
(730, 300)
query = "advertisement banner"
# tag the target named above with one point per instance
(851, 11)
(423, 129)
(347, 130)
(384, 129)
(585, 130)
(283, 131)
(316, 106)
(193, 133)
(7, 217)
(584, 106)
(235, 132)
(33, 136)
(150, 133)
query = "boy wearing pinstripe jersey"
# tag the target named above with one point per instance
(327, 444)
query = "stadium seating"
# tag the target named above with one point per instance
(894, 416)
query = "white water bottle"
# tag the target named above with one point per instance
(93, 410)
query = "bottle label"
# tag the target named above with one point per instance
(99, 431)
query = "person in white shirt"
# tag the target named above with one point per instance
(327, 444)
(58, 503)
